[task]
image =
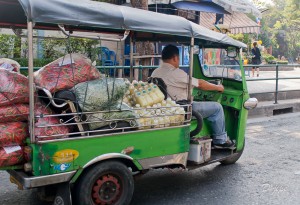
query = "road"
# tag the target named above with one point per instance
(267, 173)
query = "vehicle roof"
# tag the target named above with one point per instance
(85, 15)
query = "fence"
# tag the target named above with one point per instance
(276, 78)
(121, 72)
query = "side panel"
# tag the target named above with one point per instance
(62, 156)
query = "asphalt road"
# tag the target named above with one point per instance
(267, 173)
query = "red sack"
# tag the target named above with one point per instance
(14, 113)
(13, 88)
(66, 72)
(41, 109)
(11, 155)
(13, 133)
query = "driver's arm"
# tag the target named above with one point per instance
(204, 85)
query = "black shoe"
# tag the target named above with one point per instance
(227, 145)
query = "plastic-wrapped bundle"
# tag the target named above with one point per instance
(100, 94)
(41, 109)
(11, 155)
(14, 113)
(103, 95)
(13, 88)
(9, 64)
(123, 112)
(66, 72)
(13, 133)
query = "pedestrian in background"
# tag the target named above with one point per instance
(255, 59)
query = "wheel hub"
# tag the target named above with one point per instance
(106, 190)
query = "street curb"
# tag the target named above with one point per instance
(268, 108)
(284, 95)
(271, 118)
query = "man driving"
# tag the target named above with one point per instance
(177, 87)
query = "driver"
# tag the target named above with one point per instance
(177, 87)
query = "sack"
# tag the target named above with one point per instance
(124, 112)
(13, 88)
(41, 109)
(11, 155)
(13, 133)
(14, 113)
(10, 65)
(66, 72)
(100, 94)
(103, 95)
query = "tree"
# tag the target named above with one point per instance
(7, 45)
(280, 27)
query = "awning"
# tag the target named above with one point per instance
(236, 22)
(105, 17)
(240, 6)
(204, 6)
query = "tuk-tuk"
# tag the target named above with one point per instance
(98, 165)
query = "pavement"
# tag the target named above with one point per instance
(268, 173)
(264, 90)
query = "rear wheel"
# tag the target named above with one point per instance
(233, 159)
(108, 183)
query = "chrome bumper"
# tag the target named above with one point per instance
(29, 182)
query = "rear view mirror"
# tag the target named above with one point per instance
(231, 52)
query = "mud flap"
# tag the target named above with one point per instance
(63, 195)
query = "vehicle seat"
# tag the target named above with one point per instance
(161, 84)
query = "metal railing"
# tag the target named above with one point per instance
(138, 73)
(276, 78)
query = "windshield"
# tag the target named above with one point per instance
(216, 63)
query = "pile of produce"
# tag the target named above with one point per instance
(14, 99)
(13, 112)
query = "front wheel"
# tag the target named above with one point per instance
(107, 183)
(233, 159)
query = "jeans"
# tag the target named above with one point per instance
(213, 112)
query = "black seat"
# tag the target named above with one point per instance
(163, 87)
(65, 101)
(161, 84)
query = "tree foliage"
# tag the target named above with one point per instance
(280, 27)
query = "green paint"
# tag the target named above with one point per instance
(236, 94)
(147, 144)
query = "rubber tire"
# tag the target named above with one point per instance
(83, 189)
(233, 159)
(199, 119)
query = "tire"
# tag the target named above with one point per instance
(106, 183)
(233, 159)
(199, 119)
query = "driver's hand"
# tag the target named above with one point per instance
(220, 88)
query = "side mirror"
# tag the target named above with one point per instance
(231, 52)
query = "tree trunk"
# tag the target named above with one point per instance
(143, 48)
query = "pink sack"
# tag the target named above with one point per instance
(43, 121)
(66, 72)
(13, 133)
(14, 113)
(11, 155)
(13, 88)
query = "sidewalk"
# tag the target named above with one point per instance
(288, 101)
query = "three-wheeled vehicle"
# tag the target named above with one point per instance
(97, 165)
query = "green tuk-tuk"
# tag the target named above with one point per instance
(98, 165)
